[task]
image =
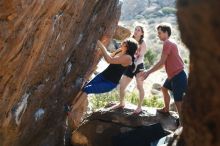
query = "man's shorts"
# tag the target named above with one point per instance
(178, 85)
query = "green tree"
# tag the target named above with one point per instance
(149, 58)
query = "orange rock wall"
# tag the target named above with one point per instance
(47, 51)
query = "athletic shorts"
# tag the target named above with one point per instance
(99, 85)
(129, 71)
(178, 85)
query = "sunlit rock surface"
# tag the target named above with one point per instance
(122, 33)
(103, 126)
(47, 51)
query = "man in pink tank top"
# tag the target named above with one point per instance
(176, 77)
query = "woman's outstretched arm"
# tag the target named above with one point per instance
(104, 51)
(125, 59)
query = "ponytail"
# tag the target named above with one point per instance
(132, 46)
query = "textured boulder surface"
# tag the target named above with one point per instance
(199, 24)
(122, 33)
(105, 127)
(47, 51)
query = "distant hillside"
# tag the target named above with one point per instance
(149, 13)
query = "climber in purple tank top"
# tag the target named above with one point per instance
(109, 78)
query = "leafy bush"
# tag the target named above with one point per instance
(149, 58)
(100, 100)
(168, 10)
(153, 101)
(139, 17)
(186, 61)
(155, 15)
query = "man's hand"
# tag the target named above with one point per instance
(143, 75)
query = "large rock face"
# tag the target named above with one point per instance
(47, 51)
(107, 127)
(199, 23)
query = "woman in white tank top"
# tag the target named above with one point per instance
(128, 75)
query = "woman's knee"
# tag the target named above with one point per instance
(122, 87)
(124, 83)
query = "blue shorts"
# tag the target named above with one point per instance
(178, 85)
(99, 85)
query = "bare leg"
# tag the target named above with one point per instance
(179, 106)
(166, 98)
(179, 109)
(123, 85)
(141, 94)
